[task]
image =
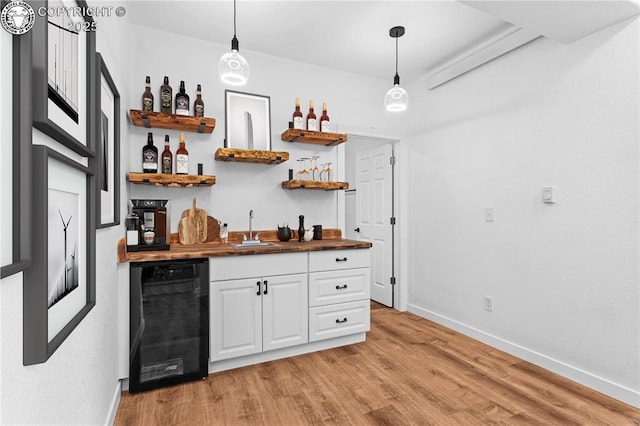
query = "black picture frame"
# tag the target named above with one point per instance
(247, 121)
(48, 116)
(106, 162)
(21, 157)
(43, 329)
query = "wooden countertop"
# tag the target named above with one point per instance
(215, 248)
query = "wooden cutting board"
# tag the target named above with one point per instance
(192, 228)
(213, 229)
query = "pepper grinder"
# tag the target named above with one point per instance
(301, 229)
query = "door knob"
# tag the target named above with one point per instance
(357, 229)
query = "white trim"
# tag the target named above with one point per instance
(113, 407)
(229, 364)
(600, 384)
(492, 48)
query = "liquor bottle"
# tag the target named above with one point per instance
(182, 157)
(324, 119)
(298, 122)
(167, 157)
(147, 96)
(198, 105)
(182, 101)
(149, 156)
(312, 123)
(166, 97)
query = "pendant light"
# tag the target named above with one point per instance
(233, 68)
(396, 98)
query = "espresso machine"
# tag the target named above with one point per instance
(150, 218)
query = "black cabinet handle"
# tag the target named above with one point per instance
(344, 259)
(259, 288)
(266, 286)
(340, 321)
(357, 229)
(341, 287)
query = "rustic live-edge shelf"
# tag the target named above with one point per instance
(161, 179)
(160, 120)
(314, 184)
(317, 138)
(251, 156)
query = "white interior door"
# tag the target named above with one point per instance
(374, 202)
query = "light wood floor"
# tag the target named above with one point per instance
(409, 371)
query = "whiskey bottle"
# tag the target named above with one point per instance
(298, 122)
(147, 96)
(166, 97)
(182, 101)
(182, 158)
(198, 105)
(324, 119)
(167, 157)
(312, 123)
(149, 156)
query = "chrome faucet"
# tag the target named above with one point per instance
(250, 225)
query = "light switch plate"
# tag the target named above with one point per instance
(549, 194)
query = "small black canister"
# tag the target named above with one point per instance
(317, 232)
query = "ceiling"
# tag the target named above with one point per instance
(353, 36)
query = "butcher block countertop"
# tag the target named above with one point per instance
(331, 240)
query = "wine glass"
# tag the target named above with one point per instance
(304, 173)
(315, 171)
(299, 174)
(326, 172)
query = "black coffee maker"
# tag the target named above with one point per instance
(153, 224)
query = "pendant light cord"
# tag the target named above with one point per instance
(396, 55)
(234, 19)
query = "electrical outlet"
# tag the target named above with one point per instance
(488, 303)
(488, 214)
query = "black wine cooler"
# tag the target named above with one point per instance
(169, 323)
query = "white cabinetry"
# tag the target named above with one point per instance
(339, 288)
(258, 303)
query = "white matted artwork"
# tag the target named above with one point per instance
(248, 121)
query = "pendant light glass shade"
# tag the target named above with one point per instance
(396, 99)
(232, 67)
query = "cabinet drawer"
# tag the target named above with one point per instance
(342, 319)
(258, 265)
(346, 285)
(331, 260)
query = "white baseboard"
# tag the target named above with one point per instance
(115, 402)
(621, 393)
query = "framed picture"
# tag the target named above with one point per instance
(59, 288)
(16, 168)
(108, 147)
(248, 121)
(63, 55)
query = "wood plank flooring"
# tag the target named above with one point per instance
(409, 371)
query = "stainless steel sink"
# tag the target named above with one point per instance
(255, 244)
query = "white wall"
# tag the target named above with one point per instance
(78, 384)
(564, 277)
(353, 104)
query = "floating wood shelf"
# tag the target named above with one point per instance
(251, 156)
(314, 184)
(171, 121)
(317, 138)
(161, 179)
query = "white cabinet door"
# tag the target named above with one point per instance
(284, 311)
(236, 318)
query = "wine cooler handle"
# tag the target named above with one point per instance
(259, 288)
(344, 259)
(341, 287)
(266, 286)
(340, 321)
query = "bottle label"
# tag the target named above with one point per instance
(147, 104)
(149, 160)
(312, 125)
(182, 105)
(166, 165)
(298, 123)
(165, 99)
(198, 110)
(325, 126)
(182, 164)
